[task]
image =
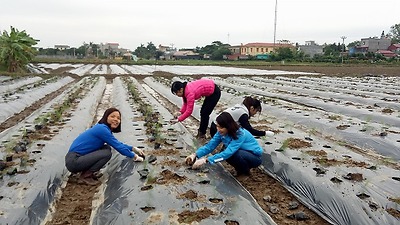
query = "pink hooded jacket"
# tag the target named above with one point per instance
(193, 91)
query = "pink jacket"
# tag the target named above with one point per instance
(193, 91)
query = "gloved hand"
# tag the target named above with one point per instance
(269, 133)
(199, 163)
(138, 151)
(176, 115)
(190, 159)
(137, 158)
(173, 121)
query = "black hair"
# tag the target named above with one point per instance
(176, 86)
(249, 101)
(225, 120)
(103, 119)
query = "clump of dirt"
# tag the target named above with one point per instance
(354, 176)
(324, 161)
(393, 212)
(169, 177)
(191, 216)
(296, 143)
(165, 152)
(387, 110)
(316, 152)
(190, 194)
(171, 163)
(343, 127)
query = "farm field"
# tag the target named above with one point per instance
(334, 158)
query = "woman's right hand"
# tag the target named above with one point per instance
(190, 159)
(176, 115)
(137, 158)
(138, 151)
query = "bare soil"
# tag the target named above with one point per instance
(75, 204)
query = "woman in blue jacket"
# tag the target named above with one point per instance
(91, 150)
(242, 150)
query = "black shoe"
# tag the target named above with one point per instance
(97, 175)
(241, 174)
(200, 135)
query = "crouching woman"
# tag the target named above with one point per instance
(242, 150)
(91, 150)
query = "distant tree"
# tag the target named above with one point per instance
(141, 51)
(394, 33)
(220, 52)
(16, 49)
(216, 49)
(353, 44)
(81, 50)
(332, 49)
(283, 53)
(151, 50)
(159, 54)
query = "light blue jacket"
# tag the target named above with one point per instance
(245, 141)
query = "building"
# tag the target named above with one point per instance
(236, 56)
(186, 55)
(234, 49)
(109, 47)
(62, 47)
(386, 53)
(259, 48)
(311, 48)
(168, 52)
(394, 48)
(372, 45)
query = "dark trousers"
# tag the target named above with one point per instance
(213, 129)
(206, 109)
(93, 161)
(243, 161)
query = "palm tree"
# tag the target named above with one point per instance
(16, 49)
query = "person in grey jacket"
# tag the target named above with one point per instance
(242, 150)
(241, 113)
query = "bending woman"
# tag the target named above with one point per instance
(241, 113)
(91, 150)
(242, 150)
(192, 91)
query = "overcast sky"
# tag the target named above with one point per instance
(191, 23)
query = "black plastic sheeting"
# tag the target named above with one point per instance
(320, 194)
(29, 200)
(344, 203)
(378, 144)
(123, 198)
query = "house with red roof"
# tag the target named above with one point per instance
(386, 53)
(394, 48)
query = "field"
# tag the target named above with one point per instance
(334, 158)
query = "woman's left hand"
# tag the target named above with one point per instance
(173, 121)
(138, 151)
(137, 158)
(199, 163)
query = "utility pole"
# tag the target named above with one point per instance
(228, 38)
(276, 12)
(344, 47)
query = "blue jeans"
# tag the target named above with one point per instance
(243, 161)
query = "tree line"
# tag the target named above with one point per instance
(17, 50)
